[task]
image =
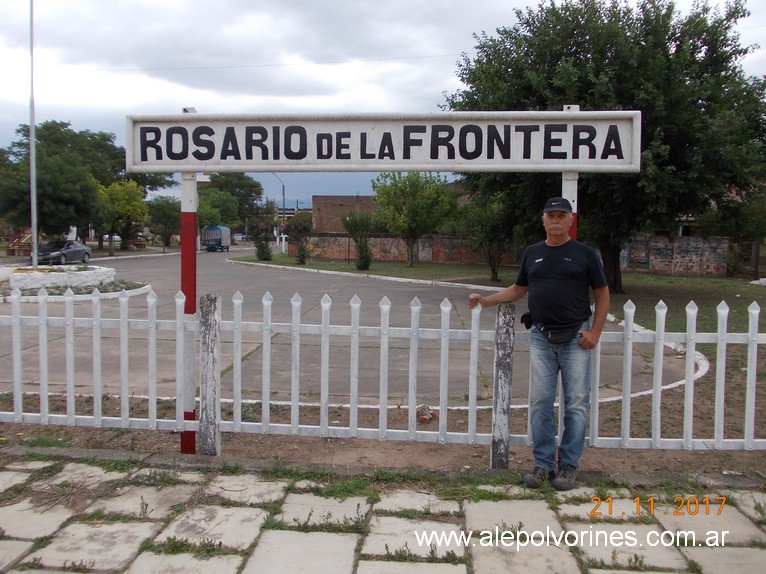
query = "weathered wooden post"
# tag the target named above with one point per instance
(501, 395)
(210, 375)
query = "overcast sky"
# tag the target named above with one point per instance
(97, 61)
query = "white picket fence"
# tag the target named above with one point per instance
(68, 355)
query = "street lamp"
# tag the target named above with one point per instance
(283, 196)
(282, 234)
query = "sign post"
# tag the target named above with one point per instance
(189, 205)
(569, 141)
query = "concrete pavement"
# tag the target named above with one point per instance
(122, 512)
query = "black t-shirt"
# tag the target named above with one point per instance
(559, 281)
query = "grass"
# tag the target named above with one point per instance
(643, 289)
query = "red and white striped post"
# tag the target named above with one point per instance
(189, 204)
(569, 185)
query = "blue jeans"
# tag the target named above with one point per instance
(546, 360)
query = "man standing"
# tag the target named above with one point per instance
(558, 274)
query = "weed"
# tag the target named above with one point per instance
(80, 566)
(636, 562)
(231, 469)
(156, 477)
(33, 564)
(402, 554)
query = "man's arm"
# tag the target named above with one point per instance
(590, 338)
(507, 295)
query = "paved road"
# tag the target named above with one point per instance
(217, 274)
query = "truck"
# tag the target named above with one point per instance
(216, 238)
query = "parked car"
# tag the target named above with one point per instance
(63, 251)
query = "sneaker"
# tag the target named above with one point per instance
(565, 477)
(538, 477)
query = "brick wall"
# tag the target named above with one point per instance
(328, 209)
(386, 247)
(695, 256)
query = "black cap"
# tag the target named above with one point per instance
(557, 204)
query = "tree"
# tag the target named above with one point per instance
(224, 203)
(298, 229)
(123, 206)
(358, 226)
(261, 233)
(66, 193)
(485, 221)
(70, 166)
(95, 150)
(703, 121)
(245, 190)
(164, 218)
(412, 205)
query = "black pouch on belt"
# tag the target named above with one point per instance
(560, 334)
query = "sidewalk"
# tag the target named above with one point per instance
(126, 512)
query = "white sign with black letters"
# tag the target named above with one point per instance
(457, 141)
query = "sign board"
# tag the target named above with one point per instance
(574, 141)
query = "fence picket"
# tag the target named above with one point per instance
(385, 311)
(296, 363)
(353, 383)
(691, 345)
(69, 354)
(752, 367)
(42, 300)
(151, 339)
(18, 389)
(237, 300)
(412, 378)
(324, 366)
(473, 373)
(124, 364)
(180, 301)
(660, 314)
(266, 303)
(720, 374)
(627, 369)
(445, 307)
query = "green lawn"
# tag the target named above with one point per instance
(643, 289)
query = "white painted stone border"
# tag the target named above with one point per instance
(61, 276)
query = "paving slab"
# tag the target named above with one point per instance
(9, 479)
(27, 520)
(235, 527)
(498, 558)
(615, 509)
(707, 522)
(247, 488)
(108, 546)
(587, 493)
(377, 567)
(302, 553)
(316, 510)
(508, 514)
(27, 465)
(624, 545)
(753, 505)
(11, 551)
(83, 474)
(390, 534)
(727, 560)
(145, 501)
(399, 500)
(183, 564)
